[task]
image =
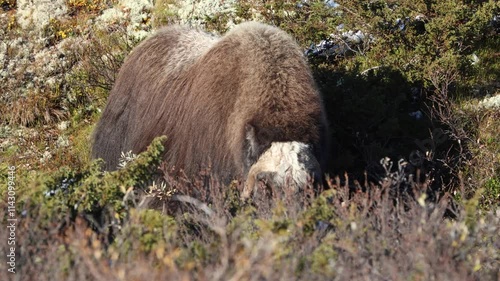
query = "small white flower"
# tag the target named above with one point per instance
(126, 158)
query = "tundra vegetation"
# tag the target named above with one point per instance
(414, 185)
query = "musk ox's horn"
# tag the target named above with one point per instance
(246, 103)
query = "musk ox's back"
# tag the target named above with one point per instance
(220, 101)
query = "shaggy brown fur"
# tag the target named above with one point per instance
(218, 100)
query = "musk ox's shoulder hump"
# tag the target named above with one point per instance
(257, 34)
(175, 47)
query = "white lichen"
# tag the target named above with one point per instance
(490, 102)
(37, 13)
(135, 13)
(195, 12)
(62, 141)
(46, 156)
(63, 125)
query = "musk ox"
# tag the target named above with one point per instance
(244, 103)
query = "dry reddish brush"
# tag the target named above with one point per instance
(339, 234)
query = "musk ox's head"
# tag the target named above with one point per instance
(289, 166)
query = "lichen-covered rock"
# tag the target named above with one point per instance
(194, 12)
(31, 64)
(39, 12)
(135, 13)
